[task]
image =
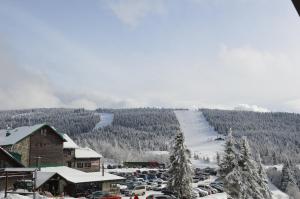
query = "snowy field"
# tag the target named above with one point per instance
(199, 137)
(106, 119)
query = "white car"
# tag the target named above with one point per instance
(139, 190)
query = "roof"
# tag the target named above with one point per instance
(69, 144)
(11, 157)
(76, 176)
(43, 177)
(20, 133)
(86, 153)
(20, 169)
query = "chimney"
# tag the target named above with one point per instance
(102, 169)
(7, 131)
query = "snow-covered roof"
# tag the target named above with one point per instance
(43, 177)
(86, 153)
(69, 144)
(76, 176)
(17, 134)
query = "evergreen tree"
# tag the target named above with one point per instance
(228, 168)
(288, 180)
(243, 177)
(180, 171)
(251, 180)
(263, 179)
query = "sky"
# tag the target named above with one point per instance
(231, 54)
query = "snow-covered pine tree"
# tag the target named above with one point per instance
(251, 180)
(263, 179)
(288, 181)
(228, 168)
(180, 171)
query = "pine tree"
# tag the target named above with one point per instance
(180, 171)
(251, 179)
(288, 177)
(228, 168)
(263, 180)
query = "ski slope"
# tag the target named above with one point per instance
(106, 119)
(199, 137)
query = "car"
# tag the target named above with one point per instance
(195, 180)
(103, 195)
(137, 190)
(157, 187)
(201, 192)
(166, 191)
(218, 187)
(208, 188)
(160, 196)
(23, 184)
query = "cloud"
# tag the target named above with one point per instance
(132, 12)
(21, 89)
(247, 107)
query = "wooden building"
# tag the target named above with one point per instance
(29, 144)
(73, 182)
(83, 159)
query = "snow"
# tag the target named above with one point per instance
(199, 137)
(86, 153)
(76, 176)
(106, 119)
(276, 193)
(19, 133)
(69, 144)
(157, 152)
(42, 177)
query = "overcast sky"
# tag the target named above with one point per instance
(162, 53)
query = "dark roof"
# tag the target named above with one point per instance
(11, 157)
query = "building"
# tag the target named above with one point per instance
(73, 182)
(8, 160)
(83, 159)
(28, 144)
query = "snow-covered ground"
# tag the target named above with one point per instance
(199, 137)
(106, 119)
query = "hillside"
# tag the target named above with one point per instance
(273, 135)
(70, 121)
(131, 132)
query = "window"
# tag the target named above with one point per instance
(87, 164)
(79, 165)
(69, 164)
(44, 132)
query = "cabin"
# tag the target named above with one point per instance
(34, 145)
(83, 159)
(73, 182)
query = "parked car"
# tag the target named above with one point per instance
(23, 184)
(160, 196)
(219, 187)
(208, 188)
(201, 192)
(103, 195)
(138, 190)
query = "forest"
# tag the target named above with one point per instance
(274, 136)
(70, 121)
(132, 132)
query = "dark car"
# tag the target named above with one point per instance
(103, 195)
(23, 184)
(160, 196)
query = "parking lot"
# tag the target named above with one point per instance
(146, 182)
